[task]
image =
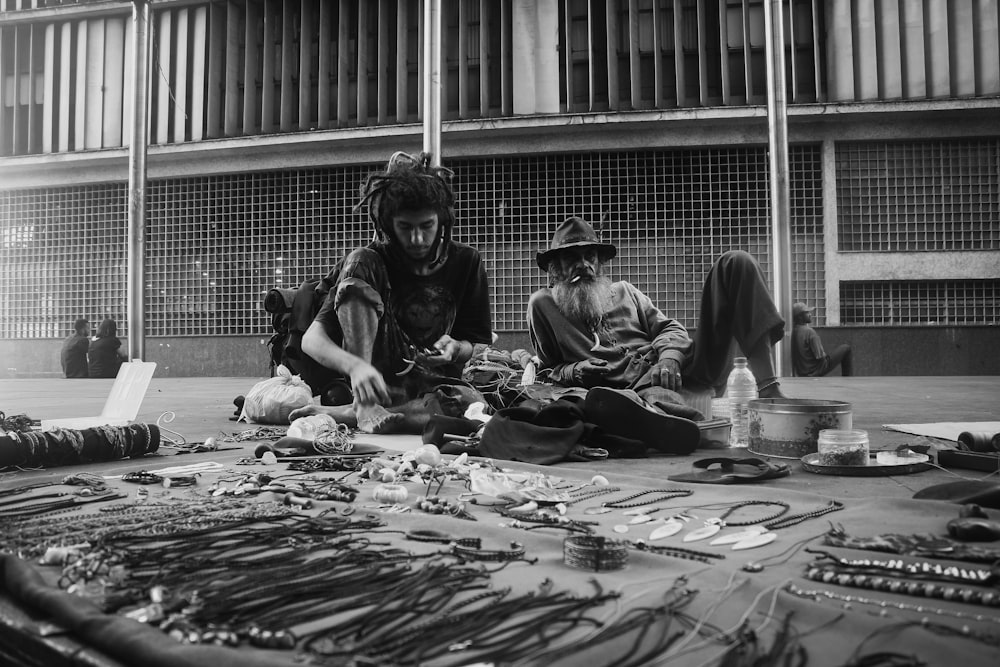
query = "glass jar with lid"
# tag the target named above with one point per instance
(842, 447)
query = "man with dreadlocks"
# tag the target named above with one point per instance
(399, 317)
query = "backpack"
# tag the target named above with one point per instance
(292, 311)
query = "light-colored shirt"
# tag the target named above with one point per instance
(633, 329)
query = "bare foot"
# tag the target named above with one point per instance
(376, 419)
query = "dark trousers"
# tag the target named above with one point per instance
(841, 356)
(736, 304)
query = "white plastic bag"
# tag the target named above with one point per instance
(270, 401)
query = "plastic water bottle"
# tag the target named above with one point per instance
(741, 388)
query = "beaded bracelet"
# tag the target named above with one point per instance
(427, 535)
(474, 551)
(595, 553)
(987, 597)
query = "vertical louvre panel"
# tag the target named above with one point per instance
(362, 60)
(635, 79)
(307, 22)
(889, 58)
(180, 79)
(863, 29)
(464, 85)
(724, 51)
(484, 59)
(232, 118)
(114, 72)
(403, 19)
(323, 77)
(506, 96)
(384, 73)
(679, 87)
(840, 51)
(914, 66)
(702, 56)
(161, 77)
(216, 70)
(95, 83)
(961, 54)
(65, 83)
(49, 83)
(611, 25)
(269, 58)
(817, 47)
(80, 87)
(251, 68)
(936, 55)
(128, 82)
(199, 30)
(343, 64)
(289, 63)
(747, 76)
(986, 26)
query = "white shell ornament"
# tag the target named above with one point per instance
(755, 541)
(705, 531)
(733, 538)
(668, 529)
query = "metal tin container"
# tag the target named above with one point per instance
(789, 427)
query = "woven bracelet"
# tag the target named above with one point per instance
(595, 553)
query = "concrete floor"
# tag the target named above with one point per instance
(203, 407)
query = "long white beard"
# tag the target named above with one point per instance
(585, 300)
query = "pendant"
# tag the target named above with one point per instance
(668, 529)
(642, 518)
(755, 541)
(621, 528)
(711, 527)
(597, 510)
(733, 538)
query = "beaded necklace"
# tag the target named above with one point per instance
(593, 493)
(785, 522)
(665, 494)
(783, 507)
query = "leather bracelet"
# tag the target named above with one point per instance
(475, 552)
(426, 535)
(595, 553)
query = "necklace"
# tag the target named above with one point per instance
(667, 494)
(783, 507)
(576, 497)
(785, 522)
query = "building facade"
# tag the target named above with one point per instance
(646, 117)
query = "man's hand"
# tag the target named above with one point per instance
(666, 373)
(590, 372)
(368, 385)
(446, 350)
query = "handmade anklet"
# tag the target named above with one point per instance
(786, 521)
(677, 552)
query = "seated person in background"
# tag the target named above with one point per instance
(73, 356)
(809, 359)
(104, 356)
(399, 317)
(591, 332)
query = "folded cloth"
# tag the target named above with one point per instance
(542, 436)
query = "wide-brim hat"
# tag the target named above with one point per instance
(798, 308)
(573, 233)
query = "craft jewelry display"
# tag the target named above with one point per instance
(594, 553)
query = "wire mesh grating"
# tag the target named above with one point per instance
(216, 244)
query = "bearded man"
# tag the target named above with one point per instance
(591, 332)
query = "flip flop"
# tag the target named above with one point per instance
(725, 470)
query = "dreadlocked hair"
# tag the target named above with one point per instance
(408, 183)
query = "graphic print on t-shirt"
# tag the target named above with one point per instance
(426, 313)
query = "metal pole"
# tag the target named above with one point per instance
(777, 130)
(432, 80)
(136, 286)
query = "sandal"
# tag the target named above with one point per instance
(724, 470)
